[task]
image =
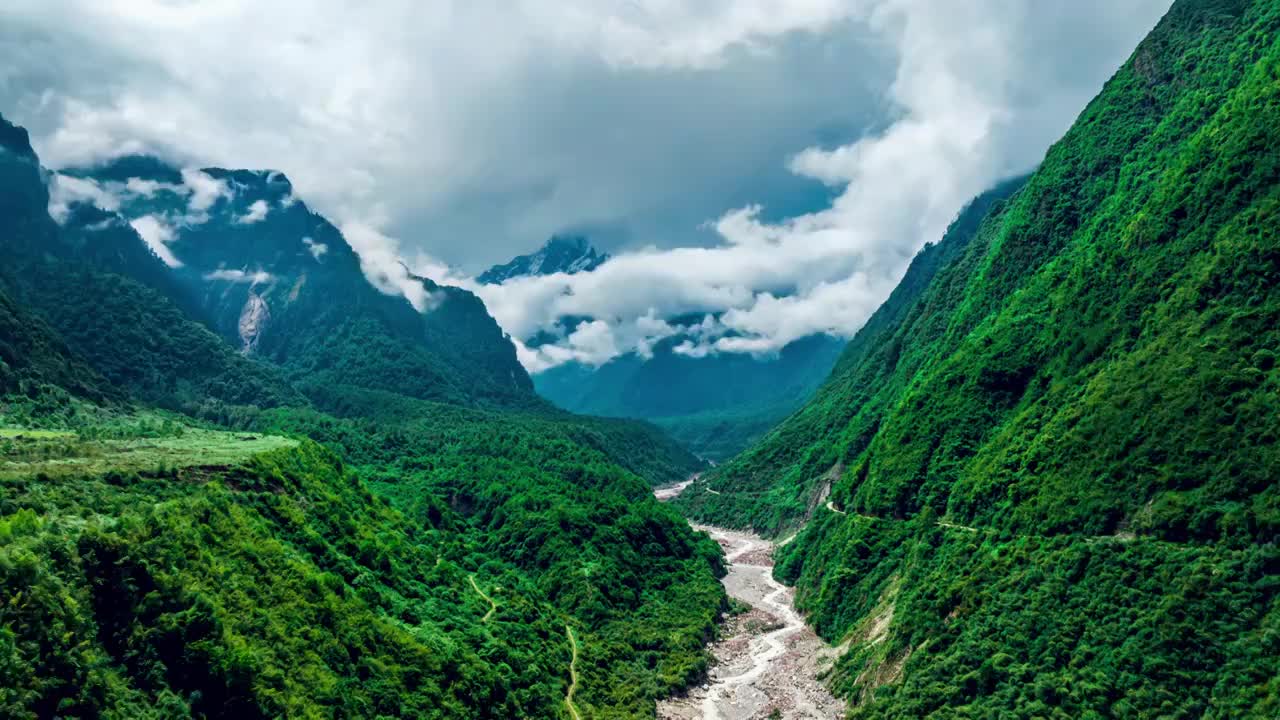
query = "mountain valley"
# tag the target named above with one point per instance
(253, 465)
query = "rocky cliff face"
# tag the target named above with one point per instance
(253, 319)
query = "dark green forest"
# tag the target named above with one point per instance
(1053, 473)
(155, 569)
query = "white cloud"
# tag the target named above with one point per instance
(257, 213)
(148, 188)
(205, 192)
(240, 276)
(954, 95)
(474, 130)
(316, 249)
(157, 235)
(657, 34)
(411, 106)
(107, 222)
(65, 191)
(595, 342)
(381, 263)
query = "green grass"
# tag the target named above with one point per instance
(17, 433)
(53, 453)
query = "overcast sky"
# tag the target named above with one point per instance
(775, 162)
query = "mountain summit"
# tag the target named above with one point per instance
(562, 253)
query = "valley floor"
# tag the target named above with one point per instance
(768, 662)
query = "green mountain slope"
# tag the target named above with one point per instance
(213, 579)
(39, 375)
(636, 446)
(1054, 478)
(801, 445)
(375, 555)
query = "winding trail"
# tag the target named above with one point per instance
(493, 606)
(769, 659)
(1120, 535)
(573, 675)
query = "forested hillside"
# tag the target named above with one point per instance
(1049, 487)
(194, 528)
(102, 291)
(38, 374)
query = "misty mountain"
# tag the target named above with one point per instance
(719, 404)
(281, 283)
(113, 304)
(715, 404)
(561, 254)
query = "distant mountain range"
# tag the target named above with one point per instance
(561, 254)
(717, 404)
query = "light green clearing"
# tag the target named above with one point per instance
(24, 453)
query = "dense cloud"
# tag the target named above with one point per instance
(824, 140)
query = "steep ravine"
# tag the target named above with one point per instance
(767, 663)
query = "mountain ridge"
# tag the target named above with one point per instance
(282, 283)
(1050, 483)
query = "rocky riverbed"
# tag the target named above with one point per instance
(768, 662)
